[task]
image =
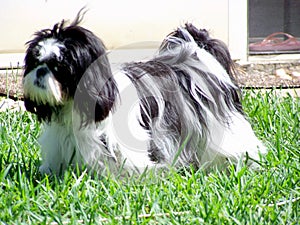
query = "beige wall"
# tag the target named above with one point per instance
(117, 22)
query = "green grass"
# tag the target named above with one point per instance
(268, 196)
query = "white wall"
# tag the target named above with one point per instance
(118, 23)
(238, 29)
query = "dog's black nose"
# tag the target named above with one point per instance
(41, 72)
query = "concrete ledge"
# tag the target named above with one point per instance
(11, 60)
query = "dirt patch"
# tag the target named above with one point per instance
(11, 84)
(268, 75)
(252, 75)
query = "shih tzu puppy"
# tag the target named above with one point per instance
(178, 109)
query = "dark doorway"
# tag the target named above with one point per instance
(270, 16)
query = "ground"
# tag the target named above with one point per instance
(268, 75)
(251, 75)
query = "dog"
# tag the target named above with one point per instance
(181, 108)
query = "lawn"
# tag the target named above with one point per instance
(268, 196)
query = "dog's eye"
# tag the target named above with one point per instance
(60, 58)
(53, 66)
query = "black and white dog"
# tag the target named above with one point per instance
(181, 108)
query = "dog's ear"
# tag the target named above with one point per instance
(96, 92)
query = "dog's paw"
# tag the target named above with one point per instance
(45, 169)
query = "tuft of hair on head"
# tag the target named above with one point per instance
(79, 17)
(58, 27)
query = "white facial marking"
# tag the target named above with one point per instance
(44, 89)
(48, 47)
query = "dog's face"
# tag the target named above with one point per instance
(47, 72)
(58, 67)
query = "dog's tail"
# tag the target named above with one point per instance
(215, 47)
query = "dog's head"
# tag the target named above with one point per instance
(64, 62)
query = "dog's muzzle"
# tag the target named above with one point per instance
(41, 73)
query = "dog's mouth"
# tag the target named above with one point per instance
(41, 86)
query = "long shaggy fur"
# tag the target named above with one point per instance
(179, 109)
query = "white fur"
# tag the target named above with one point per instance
(48, 47)
(124, 132)
(66, 142)
(51, 93)
(60, 140)
(231, 142)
